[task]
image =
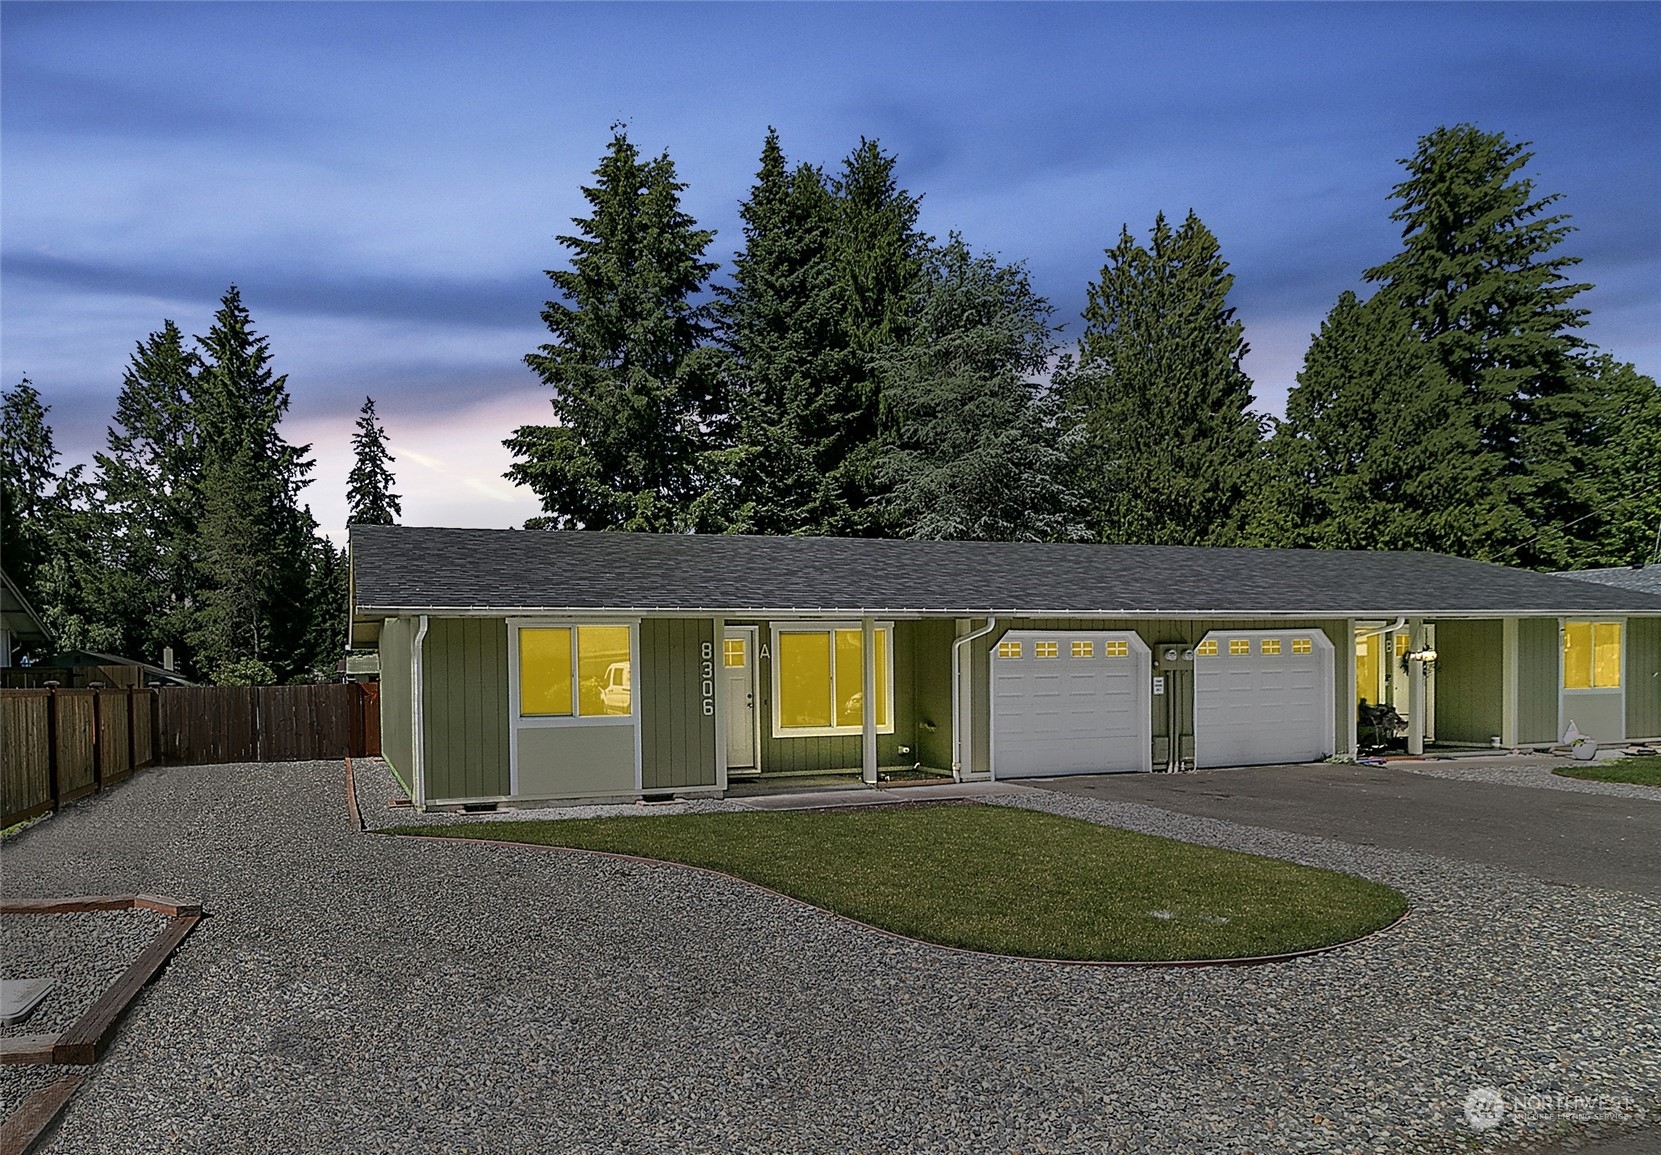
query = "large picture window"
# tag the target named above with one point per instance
(1591, 655)
(575, 672)
(819, 680)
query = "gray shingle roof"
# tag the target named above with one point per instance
(1646, 580)
(412, 569)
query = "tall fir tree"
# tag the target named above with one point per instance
(148, 481)
(255, 539)
(881, 257)
(1167, 451)
(790, 369)
(1484, 289)
(1376, 451)
(370, 499)
(634, 377)
(1620, 443)
(974, 453)
(31, 497)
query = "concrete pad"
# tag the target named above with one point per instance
(869, 796)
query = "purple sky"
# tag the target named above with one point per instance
(384, 181)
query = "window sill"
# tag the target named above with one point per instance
(825, 731)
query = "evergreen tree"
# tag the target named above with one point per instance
(31, 497)
(254, 536)
(1167, 451)
(1376, 451)
(633, 376)
(1620, 444)
(974, 454)
(148, 482)
(369, 496)
(1482, 288)
(790, 367)
(881, 256)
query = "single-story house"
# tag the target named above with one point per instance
(521, 666)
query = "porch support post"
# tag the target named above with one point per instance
(1415, 686)
(1508, 684)
(718, 698)
(1346, 686)
(868, 699)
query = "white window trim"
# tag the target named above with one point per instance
(518, 722)
(529, 721)
(1562, 670)
(782, 731)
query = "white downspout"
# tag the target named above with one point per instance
(957, 694)
(418, 754)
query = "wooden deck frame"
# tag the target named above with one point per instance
(86, 1039)
(29, 1120)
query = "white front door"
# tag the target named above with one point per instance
(738, 660)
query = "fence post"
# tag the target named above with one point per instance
(52, 742)
(254, 720)
(132, 723)
(97, 739)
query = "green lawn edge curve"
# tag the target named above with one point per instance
(1631, 771)
(999, 879)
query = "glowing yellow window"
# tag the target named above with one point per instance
(1116, 649)
(732, 650)
(1591, 655)
(1084, 649)
(1207, 648)
(1303, 646)
(822, 680)
(804, 679)
(1046, 649)
(1239, 645)
(545, 672)
(1009, 649)
(1271, 645)
(604, 674)
(1402, 641)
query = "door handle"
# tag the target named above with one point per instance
(750, 701)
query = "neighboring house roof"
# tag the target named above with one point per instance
(1644, 579)
(18, 617)
(409, 569)
(92, 658)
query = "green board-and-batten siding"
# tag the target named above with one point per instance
(1643, 678)
(1538, 680)
(464, 675)
(677, 737)
(1470, 681)
(396, 721)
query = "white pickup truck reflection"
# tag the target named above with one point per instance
(615, 692)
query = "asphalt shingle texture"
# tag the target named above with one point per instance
(417, 569)
(354, 992)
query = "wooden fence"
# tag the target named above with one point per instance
(58, 745)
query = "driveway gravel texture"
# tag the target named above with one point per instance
(353, 992)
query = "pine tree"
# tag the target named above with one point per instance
(1483, 290)
(974, 454)
(790, 368)
(1376, 451)
(1620, 445)
(881, 256)
(632, 372)
(148, 482)
(1167, 451)
(369, 496)
(30, 493)
(254, 536)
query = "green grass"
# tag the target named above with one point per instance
(999, 879)
(1637, 771)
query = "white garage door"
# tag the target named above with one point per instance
(1070, 703)
(1262, 697)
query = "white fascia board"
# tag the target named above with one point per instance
(856, 612)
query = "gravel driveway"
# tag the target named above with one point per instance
(358, 993)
